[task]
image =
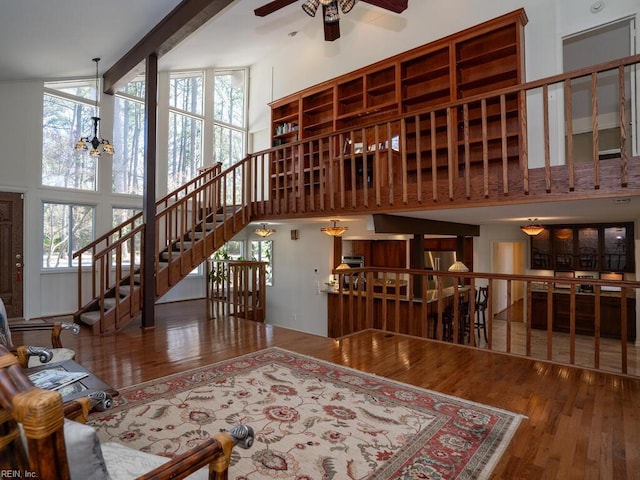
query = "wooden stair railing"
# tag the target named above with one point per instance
(237, 288)
(193, 222)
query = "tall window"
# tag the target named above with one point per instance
(66, 229)
(128, 139)
(229, 117)
(67, 110)
(185, 127)
(262, 251)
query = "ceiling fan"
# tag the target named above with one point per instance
(330, 11)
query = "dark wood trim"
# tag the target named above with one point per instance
(149, 194)
(183, 20)
(384, 223)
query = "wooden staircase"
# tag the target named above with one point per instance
(192, 223)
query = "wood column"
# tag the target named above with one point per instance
(149, 194)
(337, 252)
(416, 260)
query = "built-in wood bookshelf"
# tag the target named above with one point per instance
(475, 61)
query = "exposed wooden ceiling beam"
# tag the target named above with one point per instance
(183, 20)
(383, 223)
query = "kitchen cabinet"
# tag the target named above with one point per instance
(382, 253)
(610, 313)
(584, 247)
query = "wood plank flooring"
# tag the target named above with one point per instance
(581, 424)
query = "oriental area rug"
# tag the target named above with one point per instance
(312, 420)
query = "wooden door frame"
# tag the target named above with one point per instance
(11, 237)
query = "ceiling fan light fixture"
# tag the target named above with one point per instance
(331, 13)
(346, 5)
(310, 7)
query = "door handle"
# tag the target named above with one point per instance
(18, 272)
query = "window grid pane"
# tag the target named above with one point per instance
(63, 123)
(185, 92)
(184, 149)
(262, 251)
(128, 161)
(229, 98)
(66, 229)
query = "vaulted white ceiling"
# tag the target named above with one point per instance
(58, 38)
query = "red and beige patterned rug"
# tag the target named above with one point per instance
(312, 420)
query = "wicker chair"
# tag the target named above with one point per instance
(36, 431)
(34, 356)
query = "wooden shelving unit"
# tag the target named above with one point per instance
(285, 121)
(425, 80)
(317, 112)
(478, 60)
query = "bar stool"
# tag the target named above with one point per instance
(464, 320)
(482, 300)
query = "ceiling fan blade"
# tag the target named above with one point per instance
(331, 31)
(271, 7)
(396, 6)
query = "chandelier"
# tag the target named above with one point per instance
(263, 231)
(335, 230)
(532, 229)
(98, 145)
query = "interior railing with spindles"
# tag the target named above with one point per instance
(468, 152)
(419, 303)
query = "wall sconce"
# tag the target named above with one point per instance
(532, 229)
(263, 231)
(335, 230)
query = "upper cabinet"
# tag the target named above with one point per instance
(595, 248)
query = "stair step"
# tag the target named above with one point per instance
(90, 318)
(185, 245)
(109, 303)
(125, 290)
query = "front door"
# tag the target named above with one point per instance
(11, 255)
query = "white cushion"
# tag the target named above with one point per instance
(83, 452)
(124, 463)
(5, 333)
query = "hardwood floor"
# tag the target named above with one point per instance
(581, 424)
(610, 349)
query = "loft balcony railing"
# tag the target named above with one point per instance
(508, 146)
(419, 303)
